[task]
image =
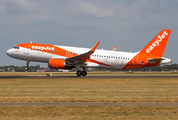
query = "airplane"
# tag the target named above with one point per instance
(65, 57)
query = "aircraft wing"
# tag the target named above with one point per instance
(83, 57)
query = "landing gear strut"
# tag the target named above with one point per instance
(79, 73)
(27, 68)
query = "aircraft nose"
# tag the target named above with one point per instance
(9, 52)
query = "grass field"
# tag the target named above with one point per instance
(88, 113)
(88, 90)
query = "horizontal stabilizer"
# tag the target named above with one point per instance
(161, 61)
(154, 60)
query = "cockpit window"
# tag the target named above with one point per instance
(16, 47)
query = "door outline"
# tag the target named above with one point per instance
(26, 50)
(135, 60)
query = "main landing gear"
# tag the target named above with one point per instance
(79, 73)
(27, 68)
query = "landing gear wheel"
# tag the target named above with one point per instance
(84, 73)
(79, 73)
(26, 68)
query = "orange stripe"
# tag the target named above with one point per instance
(94, 61)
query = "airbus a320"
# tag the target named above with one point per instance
(65, 57)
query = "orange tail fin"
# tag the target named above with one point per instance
(157, 46)
(152, 51)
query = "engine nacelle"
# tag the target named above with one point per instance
(58, 64)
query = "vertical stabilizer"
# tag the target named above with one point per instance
(158, 44)
(151, 54)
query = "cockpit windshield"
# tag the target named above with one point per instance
(16, 47)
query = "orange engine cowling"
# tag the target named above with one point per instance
(58, 64)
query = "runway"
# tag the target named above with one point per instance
(88, 104)
(90, 76)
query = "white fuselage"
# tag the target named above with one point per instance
(114, 59)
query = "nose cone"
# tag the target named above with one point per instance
(9, 52)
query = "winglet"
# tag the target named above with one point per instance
(115, 48)
(94, 48)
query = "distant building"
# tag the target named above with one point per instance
(10, 70)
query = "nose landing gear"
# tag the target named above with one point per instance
(27, 68)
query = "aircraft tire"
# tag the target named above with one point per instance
(84, 73)
(79, 73)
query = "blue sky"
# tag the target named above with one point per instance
(128, 24)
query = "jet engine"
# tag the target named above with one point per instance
(58, 64)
